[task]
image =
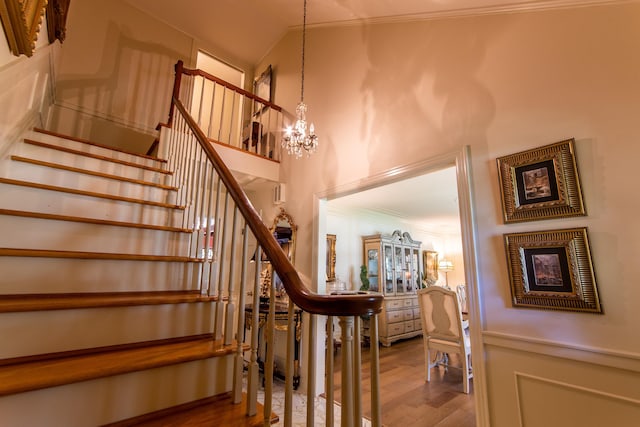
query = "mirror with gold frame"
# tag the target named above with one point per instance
(284, 230)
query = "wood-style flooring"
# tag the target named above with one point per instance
(407, 399)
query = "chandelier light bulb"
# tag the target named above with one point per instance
(296, 139)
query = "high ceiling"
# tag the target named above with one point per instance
(247, 29)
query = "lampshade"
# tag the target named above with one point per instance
(445, 265)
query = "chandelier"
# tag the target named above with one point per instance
(297, 139)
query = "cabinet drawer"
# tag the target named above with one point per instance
(394, 304)
(396, 329)
(409, 326)
(417, 325)
(395, 316)
(416, 313)
(408, 302)
(408, 315)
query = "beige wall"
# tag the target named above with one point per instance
(25, 89)
(116, 68)
(389, 95)
(116, 72)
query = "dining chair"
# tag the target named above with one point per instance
(461, 290)
(443, 331)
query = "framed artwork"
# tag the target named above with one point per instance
(22, 20)
(552, 270)
(262, 89)
(430, 265)
(57, 11)
(331, 257)
(541, 183)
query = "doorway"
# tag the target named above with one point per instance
(461, 253)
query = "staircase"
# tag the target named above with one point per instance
(124, 280)
(101, 314)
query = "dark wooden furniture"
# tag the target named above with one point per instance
(282, 321)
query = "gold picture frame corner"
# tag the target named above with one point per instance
(22, 21)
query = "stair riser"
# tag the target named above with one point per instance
(24, 275)
(101, 401)
(36, 200)
(63, 330)
(62, 178)
(89, 148)
(97, 165)
(35, 233)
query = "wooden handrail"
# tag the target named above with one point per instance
(333, 305)
(192, 72)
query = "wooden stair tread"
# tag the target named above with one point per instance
(91, 172)
(35, 375)
(212, 411)
(64, 301)
(57, 217)
(96, 156)
(45, 253)
(108, 147)
(88, 193)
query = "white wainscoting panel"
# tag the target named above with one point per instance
(537, 383)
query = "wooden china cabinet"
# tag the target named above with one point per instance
(393, 268)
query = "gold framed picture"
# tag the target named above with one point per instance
(541, 183)
(430, 264)
(552, 270)
(331, 257)
(22, 20)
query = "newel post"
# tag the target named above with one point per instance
(176, 89)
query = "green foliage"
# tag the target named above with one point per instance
(363, 278)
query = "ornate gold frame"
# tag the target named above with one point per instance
(22, 20)
(283, 216)
(331, 257)
(552, 270)
(430, 265)
(541, 183)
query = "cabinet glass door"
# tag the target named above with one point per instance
(415, 268)
(388, 269)
(409, 285)
(399, 270)
(372, 270)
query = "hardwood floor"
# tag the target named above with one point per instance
(407, 399)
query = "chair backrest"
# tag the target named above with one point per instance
(461, 289)
(440, 314)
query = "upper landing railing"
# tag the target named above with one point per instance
(228, 114)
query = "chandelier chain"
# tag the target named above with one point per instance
(304, 38)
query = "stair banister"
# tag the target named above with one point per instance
(348, 307)
(336, 305)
